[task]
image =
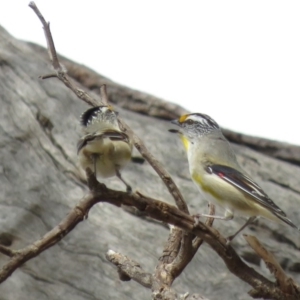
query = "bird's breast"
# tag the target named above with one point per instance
(215, 189)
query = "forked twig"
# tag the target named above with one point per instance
(61, 74)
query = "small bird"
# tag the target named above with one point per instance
(216, 172)
(104, 148)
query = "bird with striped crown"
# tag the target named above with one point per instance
(217, 174)
(104, 148)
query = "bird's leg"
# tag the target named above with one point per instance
(249, 221)
(128, 187)
(227, 216)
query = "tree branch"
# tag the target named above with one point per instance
(156, 209)
(286, 284)
(51, 238)
(140, 146)
(132, 270)
(129, 267)
(103, 94)
(60, 71)
(189, 247)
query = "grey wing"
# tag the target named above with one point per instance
(112, 135)
(116, 136)
(244, 183)
(248, 186)
(84, 140)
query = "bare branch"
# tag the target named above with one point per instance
(61, 73)
(131, 268)
(156, 209)
(164, 274)
(51, 238)
(103, 94)
(287, 285)
(48, 35)
(172, 245)
(157, 166)
(48, 76)
(188, 248)
(170, 214)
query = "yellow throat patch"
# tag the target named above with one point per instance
(185, 142)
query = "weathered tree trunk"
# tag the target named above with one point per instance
(40, 184)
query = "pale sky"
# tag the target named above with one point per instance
(237, 61)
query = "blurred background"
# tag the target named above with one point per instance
(237, 61)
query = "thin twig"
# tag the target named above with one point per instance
(51, 47)
(157, 166)
(103, 94)
(61, 75)
(51, 238)
(286, 283)
(60, 71)
(48, 76)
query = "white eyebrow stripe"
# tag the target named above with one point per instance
(195, 118)
(203, 119)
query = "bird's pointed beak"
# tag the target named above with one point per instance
(174, 131)
(175, 122)
(110, 108)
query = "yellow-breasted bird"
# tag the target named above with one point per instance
(218, 176)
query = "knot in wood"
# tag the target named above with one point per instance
(163, 207)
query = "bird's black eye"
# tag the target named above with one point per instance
(189, 122)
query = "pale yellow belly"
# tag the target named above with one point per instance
(109, 157)
(218, 191)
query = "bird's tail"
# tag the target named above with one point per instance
(287, 221)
